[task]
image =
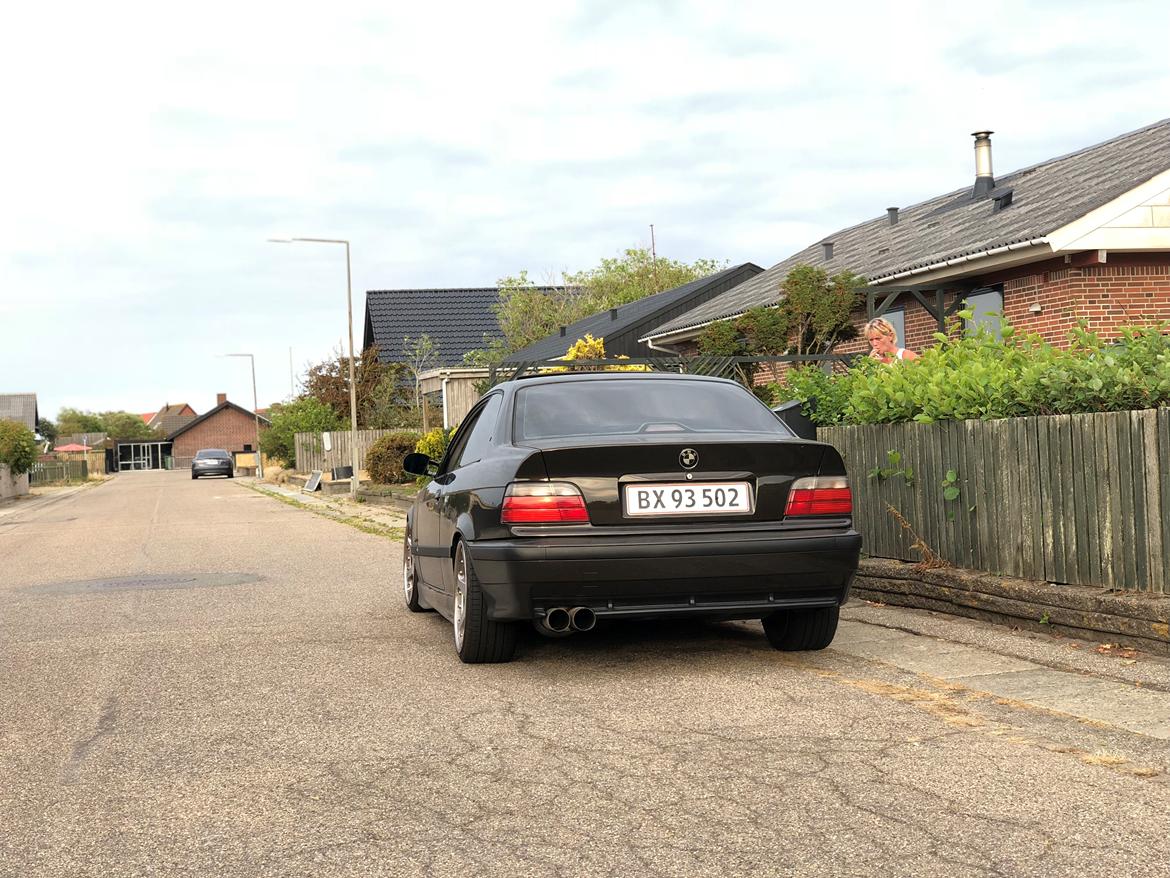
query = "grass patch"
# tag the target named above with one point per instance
(365, 525)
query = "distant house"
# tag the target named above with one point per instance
(622, 327)
(19, 407)
(456, 320)
(1082, 237)
(227, 426)
(170, 417)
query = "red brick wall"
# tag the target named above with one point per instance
(228, 429)
(1128, 290)
(1106, 296)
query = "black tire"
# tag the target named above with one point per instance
(799, 630)
(410, 578)
(231, 475)
(193, 476)
(483, 640)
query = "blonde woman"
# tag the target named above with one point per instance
(883, 342)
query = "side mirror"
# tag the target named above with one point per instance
(419, 465)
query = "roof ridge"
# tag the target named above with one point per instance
(999, 181)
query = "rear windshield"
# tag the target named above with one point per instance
(627, 406)
(205, 453)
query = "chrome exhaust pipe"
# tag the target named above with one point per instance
(555, 622)
(582, 618)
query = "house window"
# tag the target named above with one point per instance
(898, 318)
(247, 448)
(986, 307)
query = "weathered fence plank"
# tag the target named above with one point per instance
(1065, 498)
(311, 454)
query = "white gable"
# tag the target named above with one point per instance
(1138, 220)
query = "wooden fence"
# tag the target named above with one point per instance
(311, 453)
(1068, 498)
(52, 471)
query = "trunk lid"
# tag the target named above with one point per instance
(602, 467)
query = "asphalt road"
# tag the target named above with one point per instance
(267, 706)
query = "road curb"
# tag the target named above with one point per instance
(1130, 619)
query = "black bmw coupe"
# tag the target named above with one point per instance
(567, 499)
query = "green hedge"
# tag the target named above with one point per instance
(384, 459)
(981, 377)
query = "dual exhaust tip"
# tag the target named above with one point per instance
(563, 620)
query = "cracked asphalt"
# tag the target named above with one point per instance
(268, 707)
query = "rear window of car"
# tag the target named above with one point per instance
(206, 453)
(629, 406)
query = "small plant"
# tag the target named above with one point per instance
(951, 491)
(1044, 619)
(930, 559)
(893, 458)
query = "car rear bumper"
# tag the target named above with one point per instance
(211, 470)
(729, 575)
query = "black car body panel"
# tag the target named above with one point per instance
(730, 565)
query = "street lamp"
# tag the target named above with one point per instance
(255, 413)
(353, 479)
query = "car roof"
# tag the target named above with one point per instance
(565, 377)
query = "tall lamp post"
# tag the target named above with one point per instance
(255, 413)
(353, 480)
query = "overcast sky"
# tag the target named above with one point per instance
(151, 149)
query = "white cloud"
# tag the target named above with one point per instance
(153, 148)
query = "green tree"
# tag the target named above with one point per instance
(18, 447)
(819, 308)
(527, 313)
(47, 430)
(328, 381)
(304, 415)
(119, 425)
(634, 275)
(70, 421)
(124, 425)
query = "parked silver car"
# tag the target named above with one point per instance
(212, 462)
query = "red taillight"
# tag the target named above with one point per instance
(821, 495)
(543, 503)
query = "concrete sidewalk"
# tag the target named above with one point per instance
(1100, 683)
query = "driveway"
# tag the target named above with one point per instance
(198, 679)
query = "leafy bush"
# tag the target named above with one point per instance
(305, 415)
(18, 447)
(434, 442)
(384, 459)
(981, 377)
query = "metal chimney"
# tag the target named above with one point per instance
(892, 213)
(984, 179)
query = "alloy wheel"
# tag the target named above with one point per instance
(408, 572)
(459, 619)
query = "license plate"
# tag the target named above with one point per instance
(687, 498)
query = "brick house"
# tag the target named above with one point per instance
(227, 426)
(1083, 237)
